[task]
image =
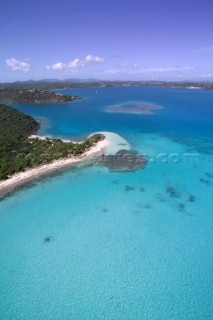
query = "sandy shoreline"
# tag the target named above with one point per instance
(19, 179)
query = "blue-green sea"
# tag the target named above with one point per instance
(123, 245)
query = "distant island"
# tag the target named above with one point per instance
(20, 152)
(76, 83)
(32, 96)
(35, 92)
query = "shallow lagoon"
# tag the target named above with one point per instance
(134, 245)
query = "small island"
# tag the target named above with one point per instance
(33, 96)
(24, 157)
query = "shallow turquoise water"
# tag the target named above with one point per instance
(123, 245)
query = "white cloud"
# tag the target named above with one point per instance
(77, 63)
(90, 58)
(16, 65)
(56, 66)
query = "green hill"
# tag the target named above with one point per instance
(18, 152)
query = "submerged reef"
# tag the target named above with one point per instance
(205, 181)
(192, 198)
(129, 188)
(173, 192)
(181, 207)
(142, 190)
(115, 181)
(48, 239)
(134, 107)
(209, 175)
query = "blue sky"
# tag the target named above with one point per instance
(126, 40)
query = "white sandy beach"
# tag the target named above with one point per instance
(21, 178)
(116, 143)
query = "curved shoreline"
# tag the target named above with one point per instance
(21, 178)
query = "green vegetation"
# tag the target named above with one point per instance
(75, 83)
(18, 152)
(27, 96)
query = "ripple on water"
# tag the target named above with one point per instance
(193, 143)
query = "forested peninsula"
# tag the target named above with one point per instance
(19, 152)
(32, 96)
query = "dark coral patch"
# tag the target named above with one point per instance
(115, 181)
(134, 107)
(129, 188)
(123, 161)
(192, 198)
(47, 239)
(173, 193)
(207, 182)
(181, 207)
(209, 175)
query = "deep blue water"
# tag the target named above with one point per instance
(185, 112)
(146, 253)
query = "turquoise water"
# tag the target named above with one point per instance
(129, 246)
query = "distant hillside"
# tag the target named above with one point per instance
(48, 84)
(15, 124)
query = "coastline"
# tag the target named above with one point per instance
(21, 178)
